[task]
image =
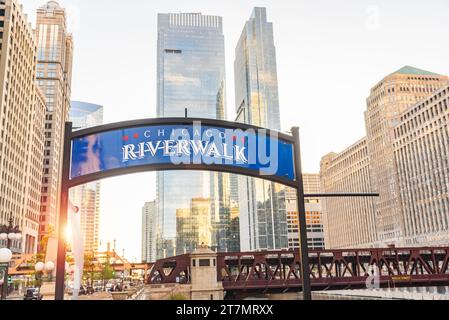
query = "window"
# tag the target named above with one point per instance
(173, 51)
(204, 263)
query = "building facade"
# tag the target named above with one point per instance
(54, 73)
(22, 108)
(402, 158)
(263, 221)
(87, 197)
(388, 100)
(149, 226)
(191, 74)
(421, 148)
(30, 230)
(314, 215)
(348, 222)
(194, 225)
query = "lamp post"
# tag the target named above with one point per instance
(10, 233)
(49, 267)
(41, 267)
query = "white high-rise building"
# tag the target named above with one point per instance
(348, 222)
(403, 157)
(388, 100)
(22, 116)
(54, 75)
(149, 227)
(421, 148)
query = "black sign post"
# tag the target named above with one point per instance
(64, 203)
(303, 248)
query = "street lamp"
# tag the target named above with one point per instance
(41, 267)
(49, 267)
(5, 259)
(9, 233)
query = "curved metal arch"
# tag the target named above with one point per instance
(67, 183)
(179, 167)
(172, 167)
(178, 121)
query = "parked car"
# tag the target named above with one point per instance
(32, 294)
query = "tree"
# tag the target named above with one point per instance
(42, 246)
(89, 269)
(107, 272)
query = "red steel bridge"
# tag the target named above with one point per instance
(329, 269)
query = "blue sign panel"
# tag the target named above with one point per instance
(182, 144)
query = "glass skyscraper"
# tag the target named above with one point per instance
(87, 196)
(84, 115)
(263, 222)
(193, 207)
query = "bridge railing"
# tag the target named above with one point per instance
(329, 269)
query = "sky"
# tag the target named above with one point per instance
(329, 54)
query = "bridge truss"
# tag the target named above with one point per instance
(329, 269)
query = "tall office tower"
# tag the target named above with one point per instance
(348, 222)
(421, 147)
(314, 215)
(149, 232)
(235, 212)
(261, 203)
(191, 74)
(54, 73)
(22, 108)
(87, 197)
(194, 225)
(388, 100)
